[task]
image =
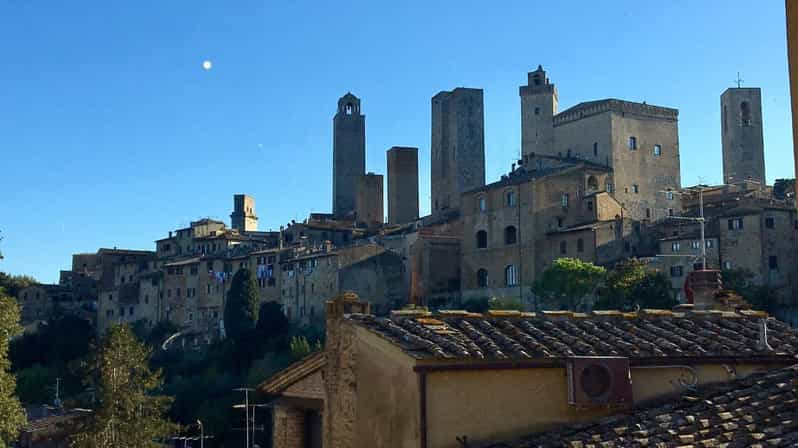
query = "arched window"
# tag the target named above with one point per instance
(510, 276)
(592, 183)
(745, 113)
(563, 247)
(482, 239)
(482, 278)
(510, 235)
(349, 108)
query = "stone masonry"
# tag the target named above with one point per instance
(402, 184)
(458, 146)
(349, 154)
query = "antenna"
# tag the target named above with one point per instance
(739, 80)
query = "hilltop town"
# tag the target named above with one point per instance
(599, 182)
(454, 329)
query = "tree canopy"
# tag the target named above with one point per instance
(567, 281)
(741, 282)
(12, 284)
(12, 417)
(130, 414)
(241, 309)
(629, 284)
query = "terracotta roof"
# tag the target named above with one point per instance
(513, 335)
(760, 410)
(295, 372)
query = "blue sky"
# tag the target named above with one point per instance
(112, 134)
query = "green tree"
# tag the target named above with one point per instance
(505, 303)
(567, 281)
(271, 320)
(129, 413)
(630, 284)
(12, 284)
(741, 282)
(300, 347)
(241, 309)
(12, 416)
(477, 305)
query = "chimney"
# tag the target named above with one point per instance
(704, 289)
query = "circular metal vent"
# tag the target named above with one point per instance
(595, 380)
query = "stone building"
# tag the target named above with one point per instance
(457, 148)
(311, 277)
(516, 227)
(402, 184)
(349, 155)
(369, 207)
(41, 302)
(453, 379)
(680, 254)
(741, 135)
(243, 217)
(430, 253)
(640, 142)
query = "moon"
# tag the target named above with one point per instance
(207, 65)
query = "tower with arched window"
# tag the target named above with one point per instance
(741, 133)
(349, 155)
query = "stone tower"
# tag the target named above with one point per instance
(349, 155)
(369, 199)
(741, 131)
(458, 146)
(402, 184)
(243, 217)
(538, 108)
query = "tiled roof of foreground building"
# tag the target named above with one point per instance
(512, 335)
(758, 411)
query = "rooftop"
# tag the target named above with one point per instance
(556, 335)
(760, 410)
(522, 174)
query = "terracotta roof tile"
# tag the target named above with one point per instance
(760, 410)
(518, 336)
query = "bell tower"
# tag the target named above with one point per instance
(741, 132)
(538, 107)
(349, 155)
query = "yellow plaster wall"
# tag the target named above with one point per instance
(387, 395)
(494, 405)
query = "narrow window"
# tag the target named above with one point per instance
(537, 111)
(632, 143)
(563, 247)
(770, 223)
(610, 187)
(590, 205)
(675, 247)
(773, 263)
(510, 276)
(727, 265)
(510, 236)
(648, 213)
(669, 195)
(710, 244)
(595, 149)
(657, 150)
(735, 224)
(482, 204)
(696, 244)
(510, 198)
(677, 271)
(482, 278)
(745, 113)
(482, 239)
(635, 189)
(580, 245)
(564, 200)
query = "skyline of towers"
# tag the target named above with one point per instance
(741, 135)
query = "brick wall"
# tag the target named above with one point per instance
(289, 427)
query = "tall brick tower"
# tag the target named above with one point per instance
(402, 184)
(458, 146)
(538, 108)
(243, 217)
(741, 132)
(349, 155)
